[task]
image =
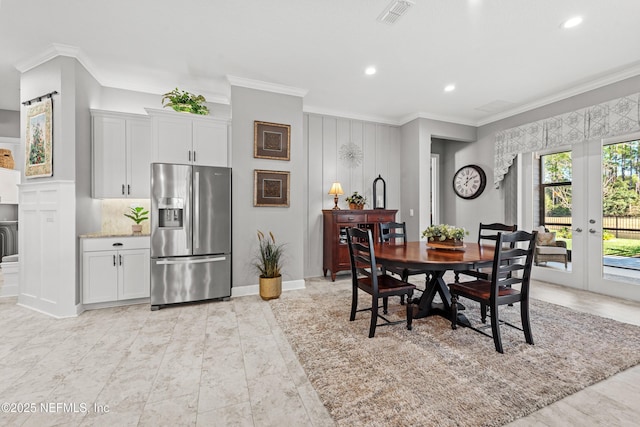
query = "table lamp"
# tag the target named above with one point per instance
(336, 190)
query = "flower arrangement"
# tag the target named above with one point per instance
(442, 232)
(185, 102)
(269, 258)
(356, 199)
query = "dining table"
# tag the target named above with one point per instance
(435, 261)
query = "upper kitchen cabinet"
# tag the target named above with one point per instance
(189, 138)
(122, 153)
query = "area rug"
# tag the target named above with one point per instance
(435, 376)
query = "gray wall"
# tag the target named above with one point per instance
(285, 223)
(10, 123)
(490, 206)
(324, 136)
(416, 180)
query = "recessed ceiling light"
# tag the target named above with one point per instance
(450, 88)
(370, 71)
(572, 22)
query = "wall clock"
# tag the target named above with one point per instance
(469, 181)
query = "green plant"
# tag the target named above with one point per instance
(269, 257)
(443, 232)
(185, 101)
(356, 198)
(137, 214)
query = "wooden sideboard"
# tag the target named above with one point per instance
(335, 223)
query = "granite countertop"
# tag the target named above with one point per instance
(102, 234)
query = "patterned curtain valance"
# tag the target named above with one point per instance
(612, 118)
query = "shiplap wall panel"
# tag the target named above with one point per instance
(324, 137)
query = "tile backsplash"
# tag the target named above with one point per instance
(113, 219)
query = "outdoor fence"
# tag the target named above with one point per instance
(622, 227)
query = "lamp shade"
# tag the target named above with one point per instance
(336, 189)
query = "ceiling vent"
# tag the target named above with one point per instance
(394, 11)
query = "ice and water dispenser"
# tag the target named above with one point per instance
(170, 212)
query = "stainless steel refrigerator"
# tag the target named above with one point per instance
(190, 233)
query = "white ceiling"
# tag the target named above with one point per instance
(504, 56)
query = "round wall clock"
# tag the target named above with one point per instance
(469, 181)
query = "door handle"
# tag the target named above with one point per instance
(114, 260)
(128, 189)
(592, 231)
(194, 156)
(196, 208)
(189, 155)
(578, 230)
(123, 189)
(120, 259)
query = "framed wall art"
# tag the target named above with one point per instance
(271, 140)
(39, 144)
(270, 188)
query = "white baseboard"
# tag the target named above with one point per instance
(242, 291)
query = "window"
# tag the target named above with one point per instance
(555, 191)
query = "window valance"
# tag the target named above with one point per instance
(616, 117)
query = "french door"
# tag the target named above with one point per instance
(601, 198)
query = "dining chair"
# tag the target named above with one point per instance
(486, 233)
(511, 266)
(396, 232)
(367, 277)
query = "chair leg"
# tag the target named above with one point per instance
(385, 305)
(354, 304)
(526, 326)
(483, 312)
(495, 329)
(374, 317)
(454, 311)
(409, 310)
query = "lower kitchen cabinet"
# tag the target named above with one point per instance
(115, 269)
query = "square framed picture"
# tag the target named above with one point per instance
(270, 188)
(271, 140)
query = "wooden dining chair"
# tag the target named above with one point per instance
(511, 266)
(396, 232)
(367, 277)
(486, 234)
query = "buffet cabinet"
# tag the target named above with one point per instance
(335, 254)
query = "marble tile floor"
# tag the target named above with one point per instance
(218, 364)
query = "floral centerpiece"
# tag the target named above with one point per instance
(356, 201)
(445, 234)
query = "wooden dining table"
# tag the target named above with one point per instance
(435, 262)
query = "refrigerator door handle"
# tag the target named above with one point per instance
(196, 211)
(192, 261)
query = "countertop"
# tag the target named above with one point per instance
(101, 234)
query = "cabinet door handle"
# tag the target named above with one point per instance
(114, 260)
(120, 259)
(128, 189)
(189, 155)
(117, 244)
(123, 189)
(194, 156)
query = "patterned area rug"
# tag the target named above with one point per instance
(435, 376)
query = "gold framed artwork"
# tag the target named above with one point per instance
(271, 140)
(39, 144)
(270, 188)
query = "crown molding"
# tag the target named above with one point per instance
(55, 50)
(615, 77)
(449, 119)
(266, 86)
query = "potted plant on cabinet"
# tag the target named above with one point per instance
(356, 201)
(137, 214)
(269, 263)
(184, 101)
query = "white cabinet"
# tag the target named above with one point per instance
(115, 269)
(9, 180)
(121, 155)
(189, 139)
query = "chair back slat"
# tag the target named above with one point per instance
(510, 258)
(490, 231)
(392, 231)
(363, 258)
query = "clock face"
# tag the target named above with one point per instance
(469, 182)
